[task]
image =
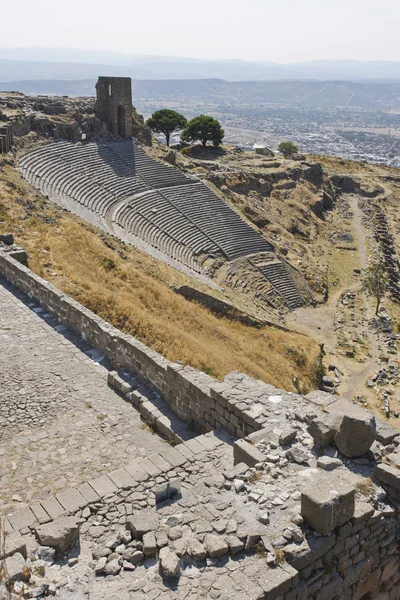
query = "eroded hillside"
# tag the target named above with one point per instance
(132, 291)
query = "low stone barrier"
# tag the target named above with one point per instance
(193, 396)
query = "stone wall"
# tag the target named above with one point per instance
(192, 395)
(114, 104)
(6, 138)
(349, 547)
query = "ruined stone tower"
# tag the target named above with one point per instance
(114, 104)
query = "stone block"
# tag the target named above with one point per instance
(169, 563)
(160, 463)
(287, 436)
(11, 543)
(71, 500)
(362, 512)
(149, 544)
(328, 504)
(321, 398)
(394, 458)
(142, 522)
(329, 464)
(16, 568)
(324, 428)
(194, 446)
(357, 429)
(53, 507)
(265, 434)
(384, 432)
(135, 470)
(216, 545)
(243, 452)
(60, 534)
(22, 518)
(40, 514)
(276, 582)
(88, 492)
(150, 467)
(173, 456)
(103, 486)
(122, 479)
(311, 550)
(388, 474)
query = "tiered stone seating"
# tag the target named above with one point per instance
(118, 185)
(222, 224)
(280, 278)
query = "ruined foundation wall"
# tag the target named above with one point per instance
(114, 104)
(357, 560)
(193, 396)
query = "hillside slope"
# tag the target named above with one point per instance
(132, 291)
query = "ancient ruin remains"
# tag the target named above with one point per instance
(6, 138)
(119, 188)
(263, 494)
(114, 104)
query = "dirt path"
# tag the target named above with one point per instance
(357, 379)
(320, 322)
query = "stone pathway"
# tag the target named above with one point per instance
(60, 423)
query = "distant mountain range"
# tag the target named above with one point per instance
(327, 94)
(53, 63)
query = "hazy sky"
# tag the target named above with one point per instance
(271, 30)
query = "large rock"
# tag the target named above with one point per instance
(142, 522)
(216, 545)
(169, 563)
(11, 543)
(60, 534)
(16, 568)
(328, 503)
(357, 429)
(196, 549)
(324, 428)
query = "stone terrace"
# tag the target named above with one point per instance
(60, 424)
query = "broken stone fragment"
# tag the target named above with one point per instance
(324, 428)
(149, 544)
(235, 544)
(298, 455)
(169, 563)
(142, 522)
(329, 464)
(16, 568)
(101, 565)
(216, 545)
(113, 567)
(287, 436)
(263, 518)
(196, 549)
(11, 543)
(328, 504)
(60, 534)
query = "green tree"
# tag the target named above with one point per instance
(166, 121)
(375, 280)
(287, 149)
(204, 129)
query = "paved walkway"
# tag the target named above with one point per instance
(60, 423)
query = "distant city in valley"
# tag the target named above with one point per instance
(349, 109)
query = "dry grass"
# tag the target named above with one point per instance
(131, 290)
